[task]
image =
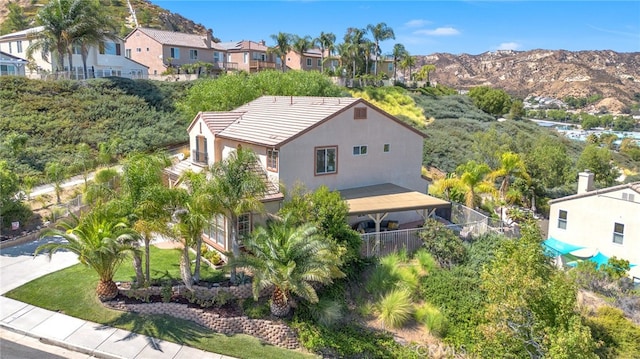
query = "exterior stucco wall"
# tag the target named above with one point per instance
(228, 146)
(150, 52)
(590, 223)
(401, 165)
(200, 128)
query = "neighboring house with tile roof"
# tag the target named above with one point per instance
(250, 56)
(106, 59)
(342, 143)
(12, 65)
(312, 60)
(603, 220)
(160, 49)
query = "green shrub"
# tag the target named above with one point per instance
(326, 312)
(619, 337)
(432, 318)
(255, 309)
(425, 260)
(349, 341)
(395, 308)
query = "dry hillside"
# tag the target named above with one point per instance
(553, 73)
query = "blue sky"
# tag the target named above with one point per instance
(425, 27)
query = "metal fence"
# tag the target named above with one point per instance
(466, 223)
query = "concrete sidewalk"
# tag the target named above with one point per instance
(95, 340)
(18, 266)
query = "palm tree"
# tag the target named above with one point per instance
(380, 32)
(100, 240)
(399, 53)
(56, 173)
(423, 74)
(282, 48)
(301, 45)
(472, 178)
(52, 39)
(145, 198)
(326, 42)
(408, 62)
(289, 258)
(511, 165)
(239, 187)
(197, 207)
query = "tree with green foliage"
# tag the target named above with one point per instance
(516, 112)
(84, 160)
(598, 161)
(301, 45)
(145, 200)
(326, 42)
(56, 173)
(407, 63)
(380, 32)
(239, 187)
(11, 207)
(495, 102)
(329, 213)
(16, 20)
(531, 306)
(291, 259)
(549, 162)
(423, 74)
(283, 46)
(399, 53)
(472, 178)
(101, 240)
(511, 166)
(442, 243)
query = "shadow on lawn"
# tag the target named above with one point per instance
(156, 327)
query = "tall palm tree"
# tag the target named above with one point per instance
(511, 165)
(399, 53)
(380, 32)
(282, 48)
(407, 63)
(145, 199)
(239, 188)
(326, 42)
(291, 259)
(94, 27)
(301, 45)
(100, 240)
(56, 173)
(52, 39)
(423, 74)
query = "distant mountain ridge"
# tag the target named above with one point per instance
(549, 73)
(553, 73)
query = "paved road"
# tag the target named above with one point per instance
(19, 346)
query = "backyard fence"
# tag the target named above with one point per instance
(466, 223)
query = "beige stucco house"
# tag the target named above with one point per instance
(159, 49)
(605, 221)
(344, 143)
(105, 59)
(250, 56)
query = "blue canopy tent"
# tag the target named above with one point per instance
(601, 259)
(555, 247)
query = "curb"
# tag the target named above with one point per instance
(62, 344)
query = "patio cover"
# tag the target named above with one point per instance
(387, 197)
(601, 259)
(559, 247)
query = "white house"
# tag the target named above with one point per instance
(11, 65)
(344, 143)
(104, 60)
(604, 221)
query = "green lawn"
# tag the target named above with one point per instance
(72, 291)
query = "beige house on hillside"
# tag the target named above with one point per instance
(250, 56)
(160, 49)
(344, 143)
(604, 221)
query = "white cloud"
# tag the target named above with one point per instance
(509, 46)
(440, 31)
(416, 23)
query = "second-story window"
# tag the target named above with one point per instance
(193, 54)
(272, 160)
(618, 233)
(562, 219)
(245, 57)
(308, 62)
(319, 62)
(359, 150)
(110, 48)
(127, 53)
(326, 160)
(175, 53)
(19, 46)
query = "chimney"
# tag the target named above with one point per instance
(263, 43)
(207, 38)
(585, 182)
